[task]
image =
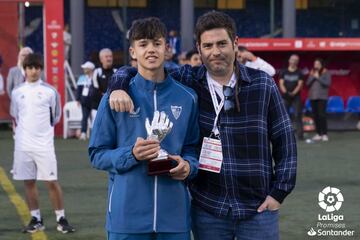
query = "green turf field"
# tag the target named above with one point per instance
(336, 164)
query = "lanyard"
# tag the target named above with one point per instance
(217, 107)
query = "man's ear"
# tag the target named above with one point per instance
(198, 48)
(132, 52)
(236, 42)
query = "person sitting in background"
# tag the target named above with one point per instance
(84, 94)
(244, 56)
(319, 82)
(193, 58)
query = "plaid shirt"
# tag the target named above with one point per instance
(250, 139)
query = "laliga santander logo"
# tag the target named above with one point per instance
(330, 199)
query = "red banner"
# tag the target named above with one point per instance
(54, 48)
(301, 44)
(8, 49)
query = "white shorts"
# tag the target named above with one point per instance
(35, 166)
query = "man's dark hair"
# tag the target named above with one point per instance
(190, 53)
(33, 60)
(242, 49)
(212, 20)
(147, 28)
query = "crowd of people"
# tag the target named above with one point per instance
(219, 93)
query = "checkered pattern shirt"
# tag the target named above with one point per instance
(259, 147)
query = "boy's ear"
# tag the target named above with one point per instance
(132, 52)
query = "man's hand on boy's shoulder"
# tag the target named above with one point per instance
(120, 101)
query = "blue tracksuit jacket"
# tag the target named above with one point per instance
(139, 203)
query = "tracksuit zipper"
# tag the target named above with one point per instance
(155, 181)
(110, 198)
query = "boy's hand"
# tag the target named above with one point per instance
(146, 149)
(182, 170)
(120, 101)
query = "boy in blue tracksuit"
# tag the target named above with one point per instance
(142, 206)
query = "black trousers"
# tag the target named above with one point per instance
(296, 103)
(319, 114)
(85, 116)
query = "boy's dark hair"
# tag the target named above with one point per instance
(190, 53)
(212, 20)
(33, 60)
(147, 28)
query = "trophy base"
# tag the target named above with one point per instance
(160, 166)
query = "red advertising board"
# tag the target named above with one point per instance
(54, 48)
(8, 50)
(301, 44)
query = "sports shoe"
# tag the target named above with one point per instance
(63, 226)
(317, 137)
(83, 136)
(34, 226)
(325, 138)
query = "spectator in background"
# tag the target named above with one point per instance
(193, 58)
(182, 59)
(247, 58)
(101, 77)
(1, 79)
(67, 42)
(169, 58)
(319, 83)
(291, 82)
(174, 42)
(16, 74)
(84, 95)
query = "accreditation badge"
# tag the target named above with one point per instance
(85, 91)
(211, 156)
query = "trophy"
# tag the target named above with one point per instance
(157, 130)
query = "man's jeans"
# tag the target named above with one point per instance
(262, 226)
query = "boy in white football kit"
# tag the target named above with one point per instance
(36, 108)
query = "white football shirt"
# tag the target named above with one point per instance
(36, 108)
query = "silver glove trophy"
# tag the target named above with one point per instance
(158, 129)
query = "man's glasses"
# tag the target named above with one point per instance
(229, 98)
